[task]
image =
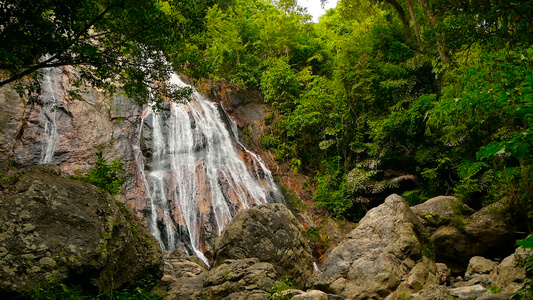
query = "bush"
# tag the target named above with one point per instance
(106, 176)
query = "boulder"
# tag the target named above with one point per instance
(489, 227)
(479, 266)
(376, 256)
(510, 274)
(241, 279)
(271, 234)
(455, 248)
(438, 211)
(183, 276)
(459, 235)
(54, 229)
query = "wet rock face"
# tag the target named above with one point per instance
(372, 261)
(11, 120)
(271, 234)
(57, 229)
(82, 127)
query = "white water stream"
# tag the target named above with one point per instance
(196, 177)
(50, 99)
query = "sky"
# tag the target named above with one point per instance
(315, 9)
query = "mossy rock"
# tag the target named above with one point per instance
(55, 229)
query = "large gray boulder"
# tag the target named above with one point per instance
(54, 229)
(484, 233)
(382, 255)
(271, 234)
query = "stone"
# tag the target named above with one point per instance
(183, 276)
(500, 296)
(489, 227)
(11, 124)
(311, 295)
(57, 229)
(469, 292)
(454, 247)
(376, 256)
(510, 273)
(433, 292)
(271, 234)
(240, 279)
(444, 272)
(479, 266)
(438, 211)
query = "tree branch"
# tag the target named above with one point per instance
(45, 63)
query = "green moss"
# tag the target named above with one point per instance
(8, 180)
(428, 249)
(293, 201)
(458, 222)
(494, 289)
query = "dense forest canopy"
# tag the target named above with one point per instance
(420, 97)
(414, 96)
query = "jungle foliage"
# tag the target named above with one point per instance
(126, 44)
(421, 97)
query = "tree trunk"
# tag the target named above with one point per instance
(440, 44)
(415, 23)
(403, 17)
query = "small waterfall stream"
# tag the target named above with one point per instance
(197, 174)
(50, 98)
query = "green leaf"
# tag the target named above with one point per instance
(526, 243)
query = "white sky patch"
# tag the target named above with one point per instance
(315, 9)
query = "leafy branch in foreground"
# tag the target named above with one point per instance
(126, 44)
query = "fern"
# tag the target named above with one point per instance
(467, 169)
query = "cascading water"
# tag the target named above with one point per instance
(196, 175)
(50, 98)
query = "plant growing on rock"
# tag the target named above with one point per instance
(280, 286)
(527, 291)
(108, 177)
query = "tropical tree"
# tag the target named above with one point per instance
(111, 42)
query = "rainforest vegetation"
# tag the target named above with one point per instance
(419, 97)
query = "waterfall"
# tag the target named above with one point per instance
(196, 173)
(50, 99)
